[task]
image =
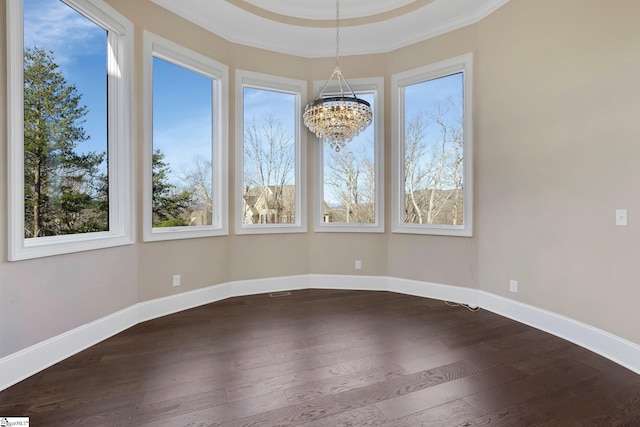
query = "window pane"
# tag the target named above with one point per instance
(269, 159)
(433, 151)
(65, 121)
(182, 146)
(349, 178)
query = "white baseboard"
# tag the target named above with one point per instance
(614, 348)
(24, 363)
(455, 294)
(355, 283)
(270, 284)
(183, 301)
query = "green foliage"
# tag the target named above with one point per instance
(65, 192)
(171, 222)
(169, 206)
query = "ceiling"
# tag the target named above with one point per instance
(308, 27)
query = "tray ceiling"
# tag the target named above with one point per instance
(307, 27)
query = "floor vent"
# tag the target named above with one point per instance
(279, 294)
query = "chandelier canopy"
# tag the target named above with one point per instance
(337, 119)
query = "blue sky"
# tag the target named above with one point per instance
(363, 141)
(421, 96)
(262, 105)
(79, 48)
(182, 112)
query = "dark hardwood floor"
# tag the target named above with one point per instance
(330, 358)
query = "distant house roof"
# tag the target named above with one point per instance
(258, 198)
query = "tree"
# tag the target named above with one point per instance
(269, 166)
(170, 206)
(198, 182)
(415, 173)
(433, 150)
(351, 175)
(65, 191)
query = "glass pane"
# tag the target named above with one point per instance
(182, 146)
(349, 178)
(433, 151)
(269, 184)
(65, 121)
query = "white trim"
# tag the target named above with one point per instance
(464, 64)
(156, 46)
(286, 85)
(120, 128)
(356, 283)
(241, 26)
(15, 128)
(619, 350)
(417, 288)
(375, 86)
(24, 363)
(271, 284)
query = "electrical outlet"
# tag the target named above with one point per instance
(358, 264)
(513, 286)
(176, 280)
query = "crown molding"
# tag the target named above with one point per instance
(358, 35)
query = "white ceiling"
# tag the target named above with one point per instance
(308, 27)
(326, 9)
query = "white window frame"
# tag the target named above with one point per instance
(279, 84)
(120, 130)
(373, 85)
(156, 46)
(464, 64)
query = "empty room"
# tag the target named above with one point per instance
(319, 212)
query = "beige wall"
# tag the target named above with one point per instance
(557, 100)
(45, 297)
(437, 259)
(558, 148)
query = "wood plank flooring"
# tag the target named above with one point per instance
(320, 358)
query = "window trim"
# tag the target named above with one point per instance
(373, 85)
(154, 45)
(278, 84)
(120, 126)
(464, 64)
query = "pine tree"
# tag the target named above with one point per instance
(65, 192)
(169, 205)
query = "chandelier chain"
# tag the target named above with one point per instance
(337, 33)
(337, 119)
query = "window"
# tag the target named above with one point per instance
(185, 187)
(270, 150)
(70, 184)
(432, 149)
(349, 184)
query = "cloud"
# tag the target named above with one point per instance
(183, 141)
(53, 25)
(261, 103)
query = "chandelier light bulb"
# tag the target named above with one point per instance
(336, 120)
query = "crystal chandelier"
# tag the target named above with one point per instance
(337, 119)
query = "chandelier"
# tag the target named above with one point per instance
(337, 119)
